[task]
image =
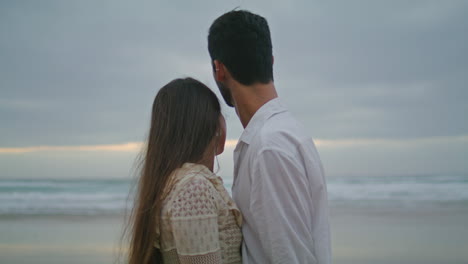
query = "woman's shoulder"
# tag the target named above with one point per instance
(193, 191)
(193, 178)
(195, 185)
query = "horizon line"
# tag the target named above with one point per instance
(326, 143)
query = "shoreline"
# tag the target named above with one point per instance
(359, 235)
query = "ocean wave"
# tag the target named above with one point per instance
(89, 197)
(416, 188)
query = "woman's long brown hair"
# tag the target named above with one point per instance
(185, 118)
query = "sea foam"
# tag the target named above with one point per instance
(92, 197)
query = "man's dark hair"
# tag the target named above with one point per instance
(241, 41)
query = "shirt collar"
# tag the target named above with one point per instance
(257, 121)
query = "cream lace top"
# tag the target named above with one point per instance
(200, 222)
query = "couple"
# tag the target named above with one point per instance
(183, 213)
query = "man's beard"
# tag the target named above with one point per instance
(226, 94)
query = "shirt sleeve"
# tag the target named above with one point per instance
(194, 221)
(281, 208)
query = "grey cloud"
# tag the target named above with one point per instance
(375, 68)
(86, 72)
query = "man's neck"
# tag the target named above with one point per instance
(248, 99)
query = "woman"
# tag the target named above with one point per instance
(182, 212)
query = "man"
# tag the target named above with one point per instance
(279, 184)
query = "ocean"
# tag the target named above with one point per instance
(411, 219)
(110, 197)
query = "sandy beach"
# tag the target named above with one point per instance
(431, 236)
(360, 235)
(59, 239)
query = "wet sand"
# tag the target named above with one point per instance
(387, 236)
(360, 235)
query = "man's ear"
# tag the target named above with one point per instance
(219, 71)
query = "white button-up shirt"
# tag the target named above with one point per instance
(279, 186)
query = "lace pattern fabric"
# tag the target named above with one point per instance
(200, 222)
(172, 256)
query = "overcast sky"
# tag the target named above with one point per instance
(380, 85)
